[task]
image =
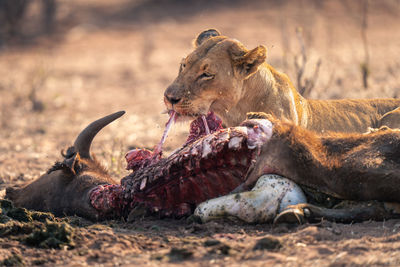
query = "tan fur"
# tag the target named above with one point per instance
(223, 76)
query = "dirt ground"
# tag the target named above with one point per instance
(106, 56)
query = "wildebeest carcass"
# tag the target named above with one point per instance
(360, 167)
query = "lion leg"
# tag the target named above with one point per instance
(391, 119)
(346, 211)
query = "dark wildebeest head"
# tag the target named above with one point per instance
(64, 189)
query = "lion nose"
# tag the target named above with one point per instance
(172, 99)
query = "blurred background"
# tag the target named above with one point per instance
(65, 63)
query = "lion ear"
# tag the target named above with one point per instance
(205, 35)
(248, 63)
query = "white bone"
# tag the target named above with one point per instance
(270, 195)
(234, 143)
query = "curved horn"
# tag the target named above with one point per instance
(85, 138)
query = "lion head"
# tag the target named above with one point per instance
(212, 76)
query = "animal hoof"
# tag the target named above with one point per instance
(291, 216)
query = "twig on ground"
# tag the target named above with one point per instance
(37, 81)
(306, 85)
(365, 69)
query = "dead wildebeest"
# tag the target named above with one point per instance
(360, 167)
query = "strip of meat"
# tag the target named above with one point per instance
(141, 157)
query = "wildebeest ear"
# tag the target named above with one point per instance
(247, 62)
(71, 160)
(71, 163)
(205, 35)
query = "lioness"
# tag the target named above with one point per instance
(223, 76)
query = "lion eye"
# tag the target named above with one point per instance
(206, 76)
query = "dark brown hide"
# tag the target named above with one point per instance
(346, 166)
(62, 191)
(64, 188)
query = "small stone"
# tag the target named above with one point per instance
(193, 219)
(39, 262)
(224, 249)
(211, 242)
(179, 254)
(335, 230)
(268, 243)
(218, 247)
(155, 228)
